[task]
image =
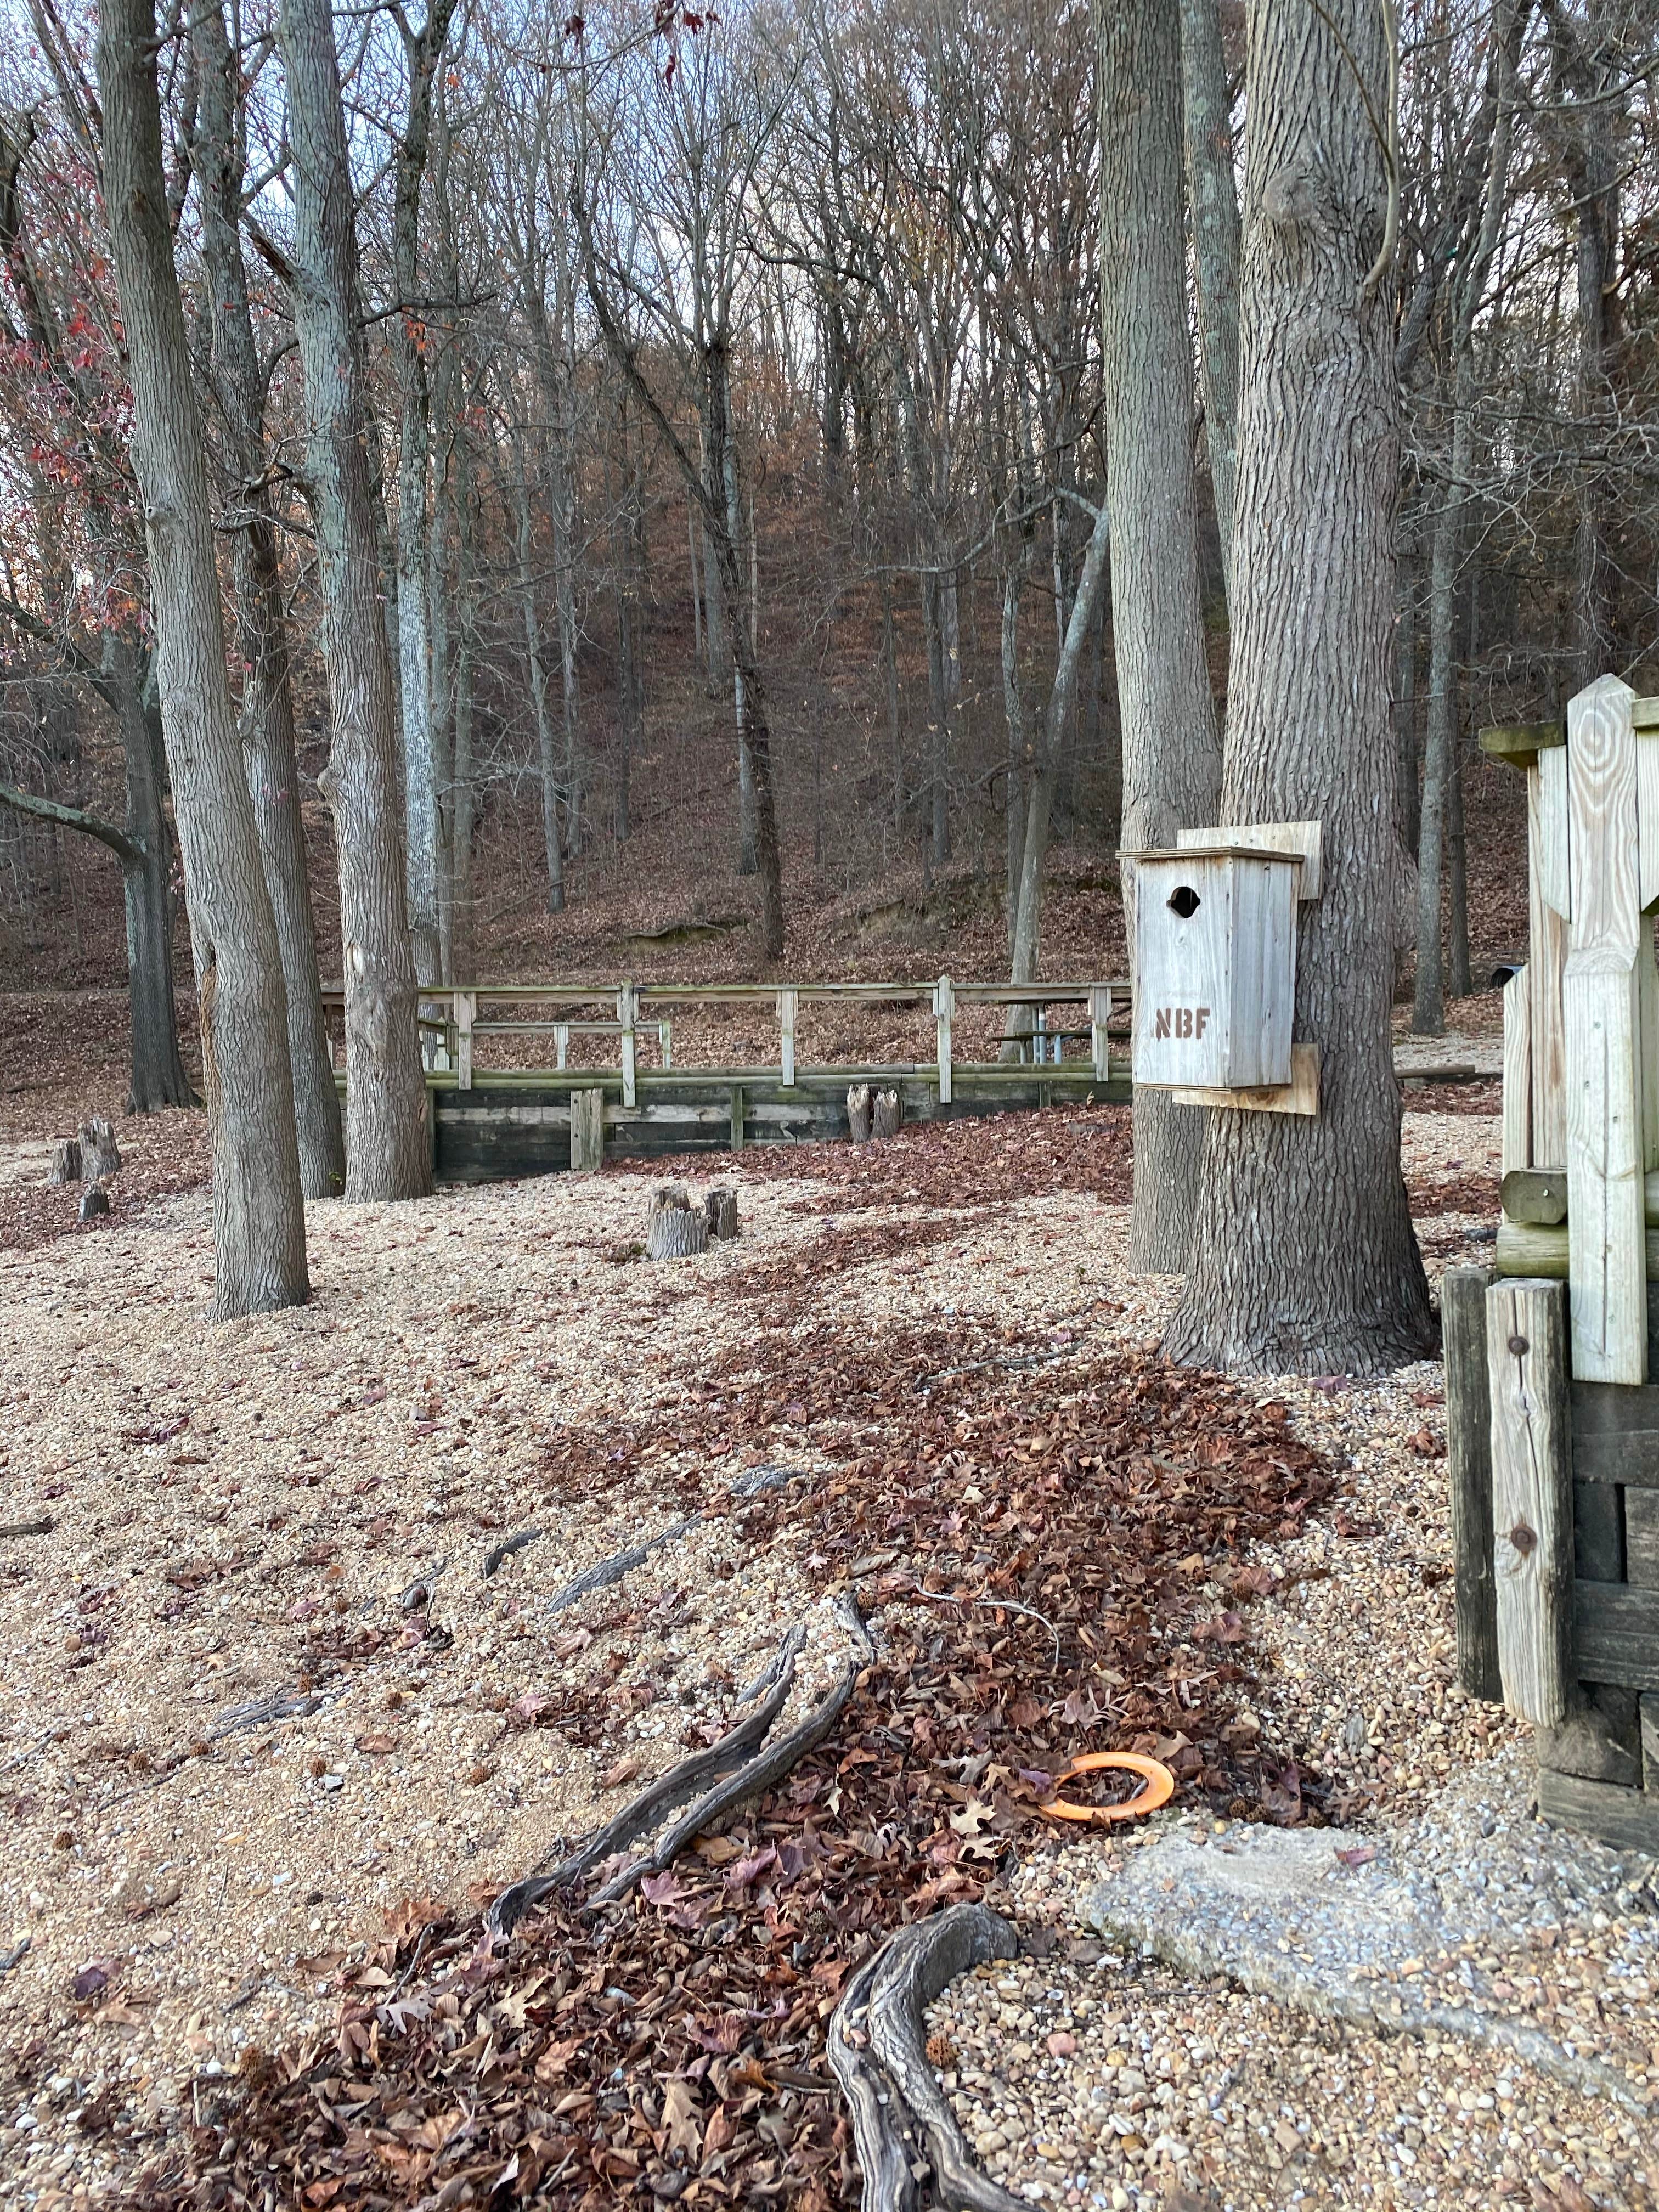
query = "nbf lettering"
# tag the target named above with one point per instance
(1180, 1021)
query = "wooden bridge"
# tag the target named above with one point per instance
(492, 1123)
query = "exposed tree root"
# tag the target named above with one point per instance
(618, 1565)
(643, 1813)
(877, 2055)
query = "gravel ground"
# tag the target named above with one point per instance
(238, 1512)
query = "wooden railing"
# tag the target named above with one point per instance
(455, 1015)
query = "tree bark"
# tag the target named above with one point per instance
(1171, 756)
(1429, 998)
(1214, 201)
(546, 749)
(259, 1212)
(1304, 1257)
(157, 1077)
(388, 1146)
(270, 753)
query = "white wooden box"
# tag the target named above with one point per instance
(1215, 967)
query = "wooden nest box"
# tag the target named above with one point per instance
(1215, 966)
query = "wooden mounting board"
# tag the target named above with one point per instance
(1299, 1095)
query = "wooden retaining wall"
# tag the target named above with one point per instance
(509, 1125)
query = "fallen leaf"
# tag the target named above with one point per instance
(624, 1771)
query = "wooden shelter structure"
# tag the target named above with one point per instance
(1552, 1376)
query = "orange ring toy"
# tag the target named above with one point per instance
(1160, 1786)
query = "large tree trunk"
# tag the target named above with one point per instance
(1214, 199)
(258, 1213)
(1172, 757)
(1429, 997)
(270, 753)
(423, 50)
(546, 749)
(388, 1146)
(1303, 1258)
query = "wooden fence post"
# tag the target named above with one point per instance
(1548, 909)
(630, 1059)
(466, 1005)
(586, 1130)
(1468, 1466)
(943, 1003)
(1531, 1497)
(787, 1000)
(561, 1043)
(1100, 1013)
(1601, 998)
(738, 1106)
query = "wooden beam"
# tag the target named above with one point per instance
(630, 1065)
(1100, 1013)
(1625, 1819)
(788, 999)
(1468, 1460)
(1546, 959)
(1616, 1631)
(1526, 1248)
(1532, 1497)
(1601, 1004)
(1519, 743)
(1299, 1095)
(1305, 839)
(736, 1117)
(1615, 1434)
(466, 1006)
(1538, 1195)
(1641, 1536)
(1516, 1139)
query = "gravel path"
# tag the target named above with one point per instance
(228, 1749)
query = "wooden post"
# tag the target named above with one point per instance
(1546, 923)
(787, 1000)
(466, 1005)
(665, 1042)
(738, 1108)
(1601, 1003)
(1469, 1465)
(1531, 1497)
(1100, 1013)
(629, 1060)
(943, 1003)
(586, 1130)
(1517, 1073)
(561, 1044)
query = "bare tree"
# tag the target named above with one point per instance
(1303, 1258)
(388, 1151)
(1171, 756)
(258, 1214)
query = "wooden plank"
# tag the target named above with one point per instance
(1538, 1195)
(466, 1005)
(1516, 1140)
(1601, 1004)
(1644, 713)
(1305, 839)
(1615, 1435)
(1627, 1820)
(1532, 1497)
(1554, 855)
(1299, 1095)
(1598, 1530)
(1546, 959)
(1647, 809)
(942, 1005)
(788, 999)
(1641, 1534)
(1468, 1458)
(1648, 1709)
(736, 1117)
(587, 1131)
(1616, 1632)
(630, 1054)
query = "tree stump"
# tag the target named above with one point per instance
(857, 1113)
(93, 1203)
(65, 1161)
(720, 1211)
(100, 1155)
(674, 1228)
(587, 1131)
(887, 1114)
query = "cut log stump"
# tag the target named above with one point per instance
(674, 1228)
(93, 1203)
(888, 1113)
(65, 1161)
(100, 1155)
(720, 1209)
(857, 1113)
(587, 1131)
